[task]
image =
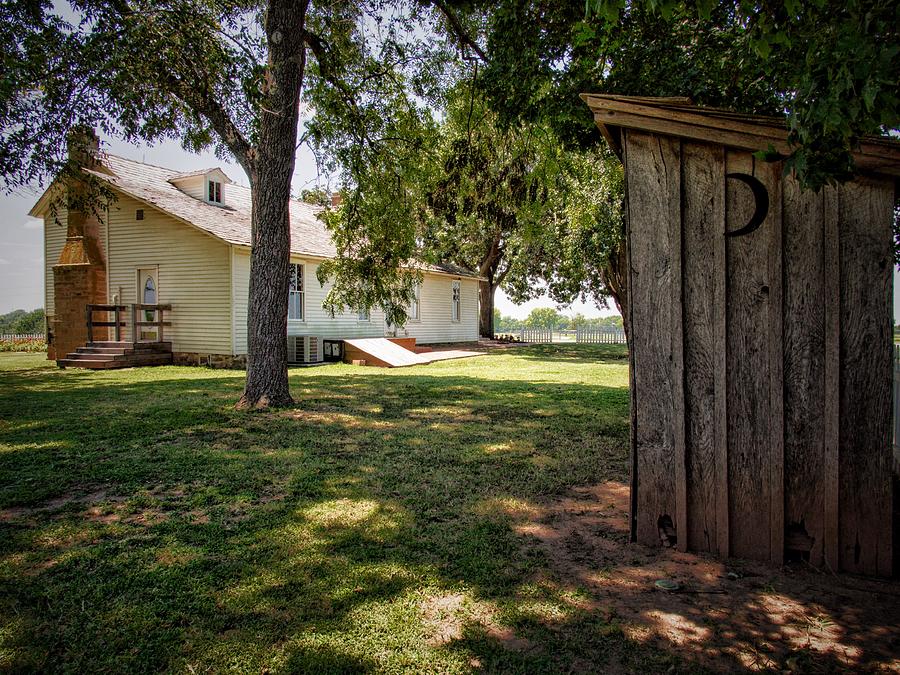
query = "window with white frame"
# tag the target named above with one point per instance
(296, 295)
(362, 314)
(412, 313)
(214, 192)
(455, 301)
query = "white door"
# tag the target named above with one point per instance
(148, 294)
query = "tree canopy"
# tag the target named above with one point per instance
(832, 67)
(20, 322)
(376, 80)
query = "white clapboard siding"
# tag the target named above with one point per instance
(434, 326)
(318, 321)
(195, 186)
(240, 288)
(54, 240)
(194, 274)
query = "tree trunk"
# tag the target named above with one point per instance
(486, 292)
(270, 184)
(615, 276)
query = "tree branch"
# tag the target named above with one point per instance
(202, 102)
(458, 30)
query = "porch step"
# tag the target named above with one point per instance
(110, 344)
(106, 355)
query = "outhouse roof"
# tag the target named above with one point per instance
(679, 117)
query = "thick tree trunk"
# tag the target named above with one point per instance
(486, 292)
(270, 182)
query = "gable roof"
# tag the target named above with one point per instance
(230, 222)
(679, 117)
(202, 172)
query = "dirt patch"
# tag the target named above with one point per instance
(446, 616)
(727, 615)
(56, 504)
(198, 517)
(443, 617)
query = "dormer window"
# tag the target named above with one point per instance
(214, 192)
(207, 185)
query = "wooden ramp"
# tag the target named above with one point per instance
(389, 354)
(381, 352)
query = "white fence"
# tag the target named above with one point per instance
(541, 335)
(600, 336)
(12, 337)
(582, 335)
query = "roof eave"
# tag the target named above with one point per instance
(746, 132)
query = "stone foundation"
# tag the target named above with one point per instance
(210, 360)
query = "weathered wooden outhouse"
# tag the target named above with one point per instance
(761, 340)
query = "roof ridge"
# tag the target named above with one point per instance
(177, 174)
(134, 161)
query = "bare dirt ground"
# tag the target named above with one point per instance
(727, 616)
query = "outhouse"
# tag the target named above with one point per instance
(761, 340)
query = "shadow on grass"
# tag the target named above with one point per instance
(577, 353)
(145, 525)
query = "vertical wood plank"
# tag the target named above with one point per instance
(703, 214)
(748, 365)
(632, 386)
(865, 211)
(676, 229)
(653, 174)
(720, 406)
(832, 377)
(805, 303)
(770, 176)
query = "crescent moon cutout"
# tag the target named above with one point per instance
(761, 198)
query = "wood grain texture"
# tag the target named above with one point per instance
(770, 175)
(653, 176)
(633, 447)
(830, 478)
(864, 215)
(677, 335)
(749, 412)
(720, 317)
(703, 213)
(805, 302)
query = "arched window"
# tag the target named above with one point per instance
(149, 298)
(149, 292)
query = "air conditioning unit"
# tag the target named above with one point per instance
(304, 349)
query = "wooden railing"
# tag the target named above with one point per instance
(118, 312)
(117, 324)
(159, 323)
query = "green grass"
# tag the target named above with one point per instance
(146, 525)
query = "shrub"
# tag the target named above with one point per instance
(26, 345)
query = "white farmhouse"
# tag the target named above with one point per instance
(181, 241)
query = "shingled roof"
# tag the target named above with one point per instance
(229, 222)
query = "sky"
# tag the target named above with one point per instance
(21, 237)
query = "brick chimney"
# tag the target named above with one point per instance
(79, 276)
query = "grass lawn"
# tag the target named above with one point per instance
(146, 525)
(463, 516)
